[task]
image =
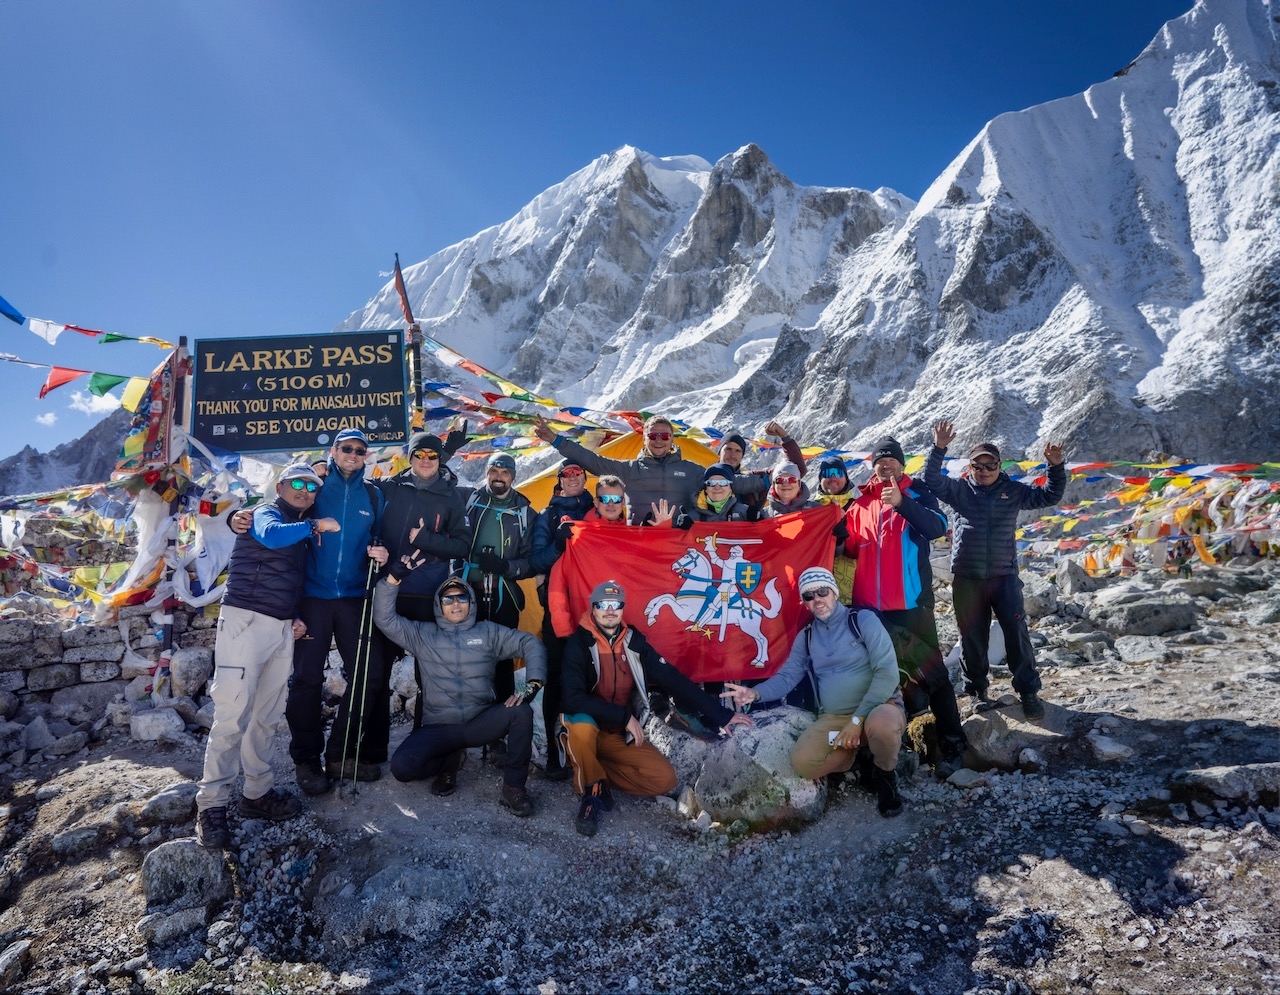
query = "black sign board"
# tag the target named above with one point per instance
(287, 393)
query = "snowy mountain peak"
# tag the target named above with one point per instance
(1100, 269)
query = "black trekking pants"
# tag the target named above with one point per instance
(915, 635)
(426, 751)
(975, 599)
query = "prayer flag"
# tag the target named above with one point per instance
(100, 383)
(404, 293)
(11, 312)
(59, 375)
(47, 330)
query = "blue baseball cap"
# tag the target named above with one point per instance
(350, 433)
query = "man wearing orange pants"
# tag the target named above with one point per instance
(609, 669)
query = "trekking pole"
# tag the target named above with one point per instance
(360, 674)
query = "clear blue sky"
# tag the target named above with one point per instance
(175, 167)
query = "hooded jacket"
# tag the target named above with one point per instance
(581, 674)
(777, 506)
(702, 511)
(443, 535)
(984, 543)
(891, 545)
(545, 551)
(338, 566)
(456, 660)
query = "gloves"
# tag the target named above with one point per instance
(401, 568)
(841, 532)
(563, 533)
(491, 563)
(683, 521)
(530, 691)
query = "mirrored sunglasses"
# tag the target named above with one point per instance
(718, 482)
(610, 605)
(609, 498)
(357, 450)
(817, 592)
(833, 471)
(984, 465)
(786, 480)
(304, 485)
(572, 471)
(664, 436)
(459, 598)
(425, 454)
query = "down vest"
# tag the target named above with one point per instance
(267, 562)
(456, 660)
(984, 544)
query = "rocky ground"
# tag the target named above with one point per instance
(1128, 842)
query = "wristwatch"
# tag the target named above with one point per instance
(856, 720)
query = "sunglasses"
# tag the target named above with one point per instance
(304, 485)
(718, 482)
(426, 454)
(664, 436)
(832, 471)
(609, 498)
(817, 592)
(786, 480)
(612, 605)
(449, 599)
(984, 466)
(357, 450)
(574, 472)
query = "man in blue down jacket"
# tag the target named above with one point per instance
(984, 560)
(456, 656)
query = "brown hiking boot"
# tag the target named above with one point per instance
(275, 806)
(311, 778)
(212, 829)
(516, 798)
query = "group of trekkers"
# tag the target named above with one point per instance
(444, 562)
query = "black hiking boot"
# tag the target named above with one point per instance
(212, 829)
(588, 820)
(274, 806)
(864, 770)
(353, 770)
(446, 782)
(1032, 706)
(311, 778)
(888, 801)
(557, 772)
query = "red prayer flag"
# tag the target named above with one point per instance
(404, 294)
(719, 601)
(59, 375)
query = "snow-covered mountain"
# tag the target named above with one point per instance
(87, 460)
(1102, 269)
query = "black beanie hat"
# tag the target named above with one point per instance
(888, 446)
(737, 440)
(425, 440)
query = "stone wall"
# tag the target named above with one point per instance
(40, 654)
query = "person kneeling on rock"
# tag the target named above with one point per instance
(609, 670)
(850, 657)
(456, 657)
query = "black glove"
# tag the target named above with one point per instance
(491, 563)
(683, 521)
(401, 568)
(563, 534)
(530, 691)
(841, 531)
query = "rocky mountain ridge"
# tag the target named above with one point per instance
(1098, 269)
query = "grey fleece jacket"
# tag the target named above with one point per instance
(852, 677)
(456, 659)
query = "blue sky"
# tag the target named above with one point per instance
(238, 168)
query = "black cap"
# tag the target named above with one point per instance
(888, 446)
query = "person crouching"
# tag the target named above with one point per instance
(609, 670)
(456, 657)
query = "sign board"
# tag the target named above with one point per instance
(286, 393)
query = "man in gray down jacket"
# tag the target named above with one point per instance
(849, 656)
(984, 560)
(659, 474)
(456, 656)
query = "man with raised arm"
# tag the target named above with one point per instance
(984, 560)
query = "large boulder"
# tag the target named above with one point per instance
(172, 805)
(750, 777)
(182, 874)
(1154, 615)
(156, 724)
(998, 737)
(190, 669)
(1239, 783)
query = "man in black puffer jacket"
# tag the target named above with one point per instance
(984, 559)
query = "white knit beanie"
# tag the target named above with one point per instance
(817, 577)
